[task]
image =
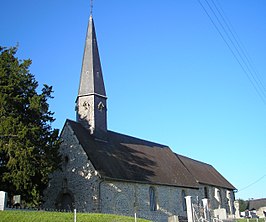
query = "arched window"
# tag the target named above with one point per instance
(153, 203)
(65, 161)
(64, 183)
(218, 196)
(184, 204)
(206, 192)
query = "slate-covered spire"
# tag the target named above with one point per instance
(91, 79)
(91, 100)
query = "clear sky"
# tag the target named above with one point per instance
(169, 76)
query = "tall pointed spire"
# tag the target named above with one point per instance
(91, 100)
(91, 79)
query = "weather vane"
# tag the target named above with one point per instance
(91, 7)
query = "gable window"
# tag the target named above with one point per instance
(153, 203)
(183, 196)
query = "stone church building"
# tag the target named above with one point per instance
(109, 172)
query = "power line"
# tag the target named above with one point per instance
(258, 180)
(242, 53)
(239, 43)
(220, 24)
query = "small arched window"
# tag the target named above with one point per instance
(66, 159)
(206, 192)
(183, 196)
(65, 183)
(218, 196)
(153, 203)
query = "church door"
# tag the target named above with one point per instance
(66, 202)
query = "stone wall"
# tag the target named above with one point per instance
(127, 198)
(77, 180)
(224, 200)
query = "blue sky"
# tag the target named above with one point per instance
(169, 76)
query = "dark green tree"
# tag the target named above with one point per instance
(243, 205)
(28, 144)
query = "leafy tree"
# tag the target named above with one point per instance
(243, 205)
(28, 144)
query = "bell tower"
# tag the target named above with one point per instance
(91, 107)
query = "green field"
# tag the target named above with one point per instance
(44, 216)
(251, 220)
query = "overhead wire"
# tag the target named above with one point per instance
(225, 29)
(237, 50)
(235, 47)
(239, 42)
(253, 183)
(242, 53)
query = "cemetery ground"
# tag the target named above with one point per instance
(45, 216)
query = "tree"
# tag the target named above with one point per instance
(243, 205)
(28, 144)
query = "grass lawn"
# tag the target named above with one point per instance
(44, 216)
(251, 220)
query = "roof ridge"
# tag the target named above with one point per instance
(140, 139)
(194, 159)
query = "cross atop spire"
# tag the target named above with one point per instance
(91, 7)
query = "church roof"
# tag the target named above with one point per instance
(126, 158)
(256, 204)
(205, 173)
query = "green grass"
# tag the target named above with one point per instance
(250, 220)
(44, 216)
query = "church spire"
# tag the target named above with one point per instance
(91, 100)
(91, 79)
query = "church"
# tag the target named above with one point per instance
(109, 172)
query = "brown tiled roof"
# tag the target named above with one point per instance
(123, 157)
(205, 173)
(256, 204)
